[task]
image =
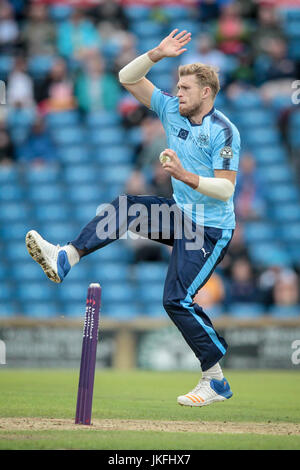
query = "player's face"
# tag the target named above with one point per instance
(190, 95)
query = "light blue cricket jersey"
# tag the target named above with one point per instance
(212, 145)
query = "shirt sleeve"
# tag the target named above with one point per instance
(226, 149)
(160, 100)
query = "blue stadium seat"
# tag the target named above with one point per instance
(286, 212)
(59, 233)
(294, 50)
(81, 174)
(73, 309)
(246, 310)
(262, 137)
(147, 28)
(13, 211)
(3, 271)
(14, 231)
(35, 292)
(153, 309)
(8, 175)
(103, 119)
(291, 232)
(134, 136)
(294, 120)
(293, 136)
(259, 231)
(60, 12)
(177, 12)
(150, 272)
(269, 254)
(270, 155)
(110, 136)
(40, 193)
(137, 12)
(6, 65)
(73, 291)
(40, 309)
(22, 118)
(151, 291)
(27, 271)
(121, 311)
(86, 193)
(11, 193)
(115, 173)
(280, 173)
(5, 291)
(114, 155)
(40, 65)
(190, 25)
(254, 118)
(77, 154)
(110, 272)
(162, 81)
(285, 311)
(7, 309)
(119, 292)
(282, 192)
(58, 212)
(62, 119)
(44, 174)
(247, 100)
(84, 212)
(74, 135)
(16, 251)
(292, 29)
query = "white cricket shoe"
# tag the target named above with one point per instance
(207, 391)
(52, 259)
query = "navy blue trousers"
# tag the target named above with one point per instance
(190, 265)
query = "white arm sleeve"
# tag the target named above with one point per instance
(218, 188)
(135, 70)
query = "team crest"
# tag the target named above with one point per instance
(226, 152)
(203, 139)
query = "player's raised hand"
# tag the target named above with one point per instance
(171, 46)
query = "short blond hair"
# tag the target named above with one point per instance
(206, 75)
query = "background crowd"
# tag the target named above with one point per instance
(72, 138)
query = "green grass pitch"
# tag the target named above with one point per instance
(263, 402)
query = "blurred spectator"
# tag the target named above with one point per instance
(143, 249)
(20, 85)
(161, 181)
(77, 37)
(232, 32)
(274, 71)
(153, 142)
(242, 286)
(127, 49)
(243, 72)
(206, 53)
(249, 193)
(279, 286)
(6, 147)
(267, 27)
(212, 293)
(38, 33)
(39, 147)
(286, 289)
(95, 89)
(237, 249)
(56, 92)
(111, 12)
(9, 29)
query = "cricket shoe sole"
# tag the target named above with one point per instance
(53, 261)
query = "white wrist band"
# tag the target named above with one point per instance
(135, 70)
(218, 188)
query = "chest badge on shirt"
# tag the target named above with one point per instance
(203, 139)
(183, 134)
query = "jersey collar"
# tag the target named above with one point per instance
(205, 115)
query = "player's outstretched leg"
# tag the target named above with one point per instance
(207, 391)
(55, 261)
